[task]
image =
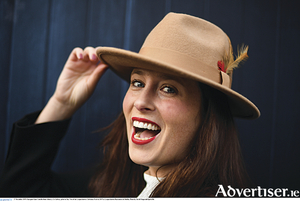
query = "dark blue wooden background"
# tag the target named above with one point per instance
(37, 36)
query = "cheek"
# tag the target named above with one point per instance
(183, 121)
(178, 112)
(127, 107)
(126, 103)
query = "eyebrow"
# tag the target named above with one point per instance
(161, 75)
(139, 72)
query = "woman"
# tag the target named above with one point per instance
(176, 127)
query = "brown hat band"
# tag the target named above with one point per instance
(189, 64)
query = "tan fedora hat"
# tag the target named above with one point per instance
(185, 46)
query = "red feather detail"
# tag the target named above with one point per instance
(221, 66)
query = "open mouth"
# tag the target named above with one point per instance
(144, 131)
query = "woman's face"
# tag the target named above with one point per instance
(162, 115)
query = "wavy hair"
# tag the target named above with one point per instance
(214, 158)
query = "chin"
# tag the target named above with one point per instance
(142, 159)
(137, 158)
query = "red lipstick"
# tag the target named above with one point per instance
(138, 141)
(144, 120)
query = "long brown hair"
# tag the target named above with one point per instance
(117, 175)
(214, 158)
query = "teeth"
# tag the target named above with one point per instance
(137, 136)
(143, 125)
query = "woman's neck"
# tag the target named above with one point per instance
(160, 172)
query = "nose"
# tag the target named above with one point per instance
(145, 101)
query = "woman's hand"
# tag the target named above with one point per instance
(75, 85)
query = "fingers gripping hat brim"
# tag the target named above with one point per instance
(183, 46)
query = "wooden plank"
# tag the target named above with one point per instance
(27, 59)
(97, 23)
(255, 80)
(286, 138)
(191, 7)
(145, 15)
(67, 30)
(106, 28)
(6, 23)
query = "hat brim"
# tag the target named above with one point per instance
(122, 62)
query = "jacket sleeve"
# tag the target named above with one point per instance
(27, 169)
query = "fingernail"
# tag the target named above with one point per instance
(94, 57)
(80, 56)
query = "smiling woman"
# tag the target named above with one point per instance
(179, 87)
(175, 112)
(176, 131)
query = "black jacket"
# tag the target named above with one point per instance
(27, 169)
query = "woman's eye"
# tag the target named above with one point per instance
(136, 83)
(169, 90)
